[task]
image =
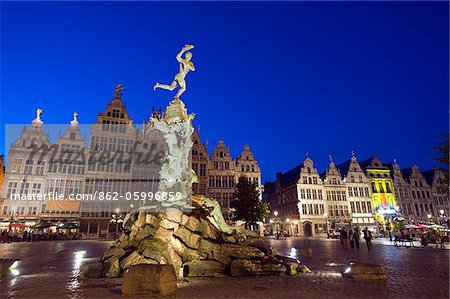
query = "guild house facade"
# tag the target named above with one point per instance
(114, 133)
(366, 194)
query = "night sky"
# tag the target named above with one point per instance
(286, 78)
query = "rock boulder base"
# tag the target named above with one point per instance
(147, 280)
(366, 271)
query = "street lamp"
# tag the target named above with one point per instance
(276, 221)
(288, 226)
(325, 215)
(116, 218)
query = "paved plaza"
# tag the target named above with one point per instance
(413, 273)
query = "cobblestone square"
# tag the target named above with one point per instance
(412, 273)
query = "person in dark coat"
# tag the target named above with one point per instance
(356, 237)
(368, 238)
(350, 237)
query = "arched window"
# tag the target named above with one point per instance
(388, 188)
(309, 181)
(374, 189)
(380, 186)
(72, 135)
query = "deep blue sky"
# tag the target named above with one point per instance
(286, 78)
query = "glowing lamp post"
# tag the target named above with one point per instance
(116, 218)
(275, 213)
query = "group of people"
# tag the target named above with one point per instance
(352, 237)
(432, 237)
(35, 235)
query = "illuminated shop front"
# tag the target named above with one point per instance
(383, 197)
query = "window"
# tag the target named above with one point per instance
(374, 189)
(202, 170)
(12, 189)
(350, 192)
(231, 181)
(380, 186)
(115, 113)
(17, 165)
(28, 166)
(195, 167)
(363, 207)
(388, 187)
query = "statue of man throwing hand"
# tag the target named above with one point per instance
(186, 65)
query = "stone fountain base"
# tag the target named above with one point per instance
(190, 242)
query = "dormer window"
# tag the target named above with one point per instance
(115, 113)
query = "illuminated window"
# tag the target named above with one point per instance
(388, 187)
(380, 186)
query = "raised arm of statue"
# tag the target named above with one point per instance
(186, 47)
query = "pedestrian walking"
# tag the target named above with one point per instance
(350, 237)
(368, 238)
(356, 237)
(344, 238)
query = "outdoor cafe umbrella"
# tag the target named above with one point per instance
(68, 226)
(419, 226)
(43, 224)
(437, 226)
(19, 225)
